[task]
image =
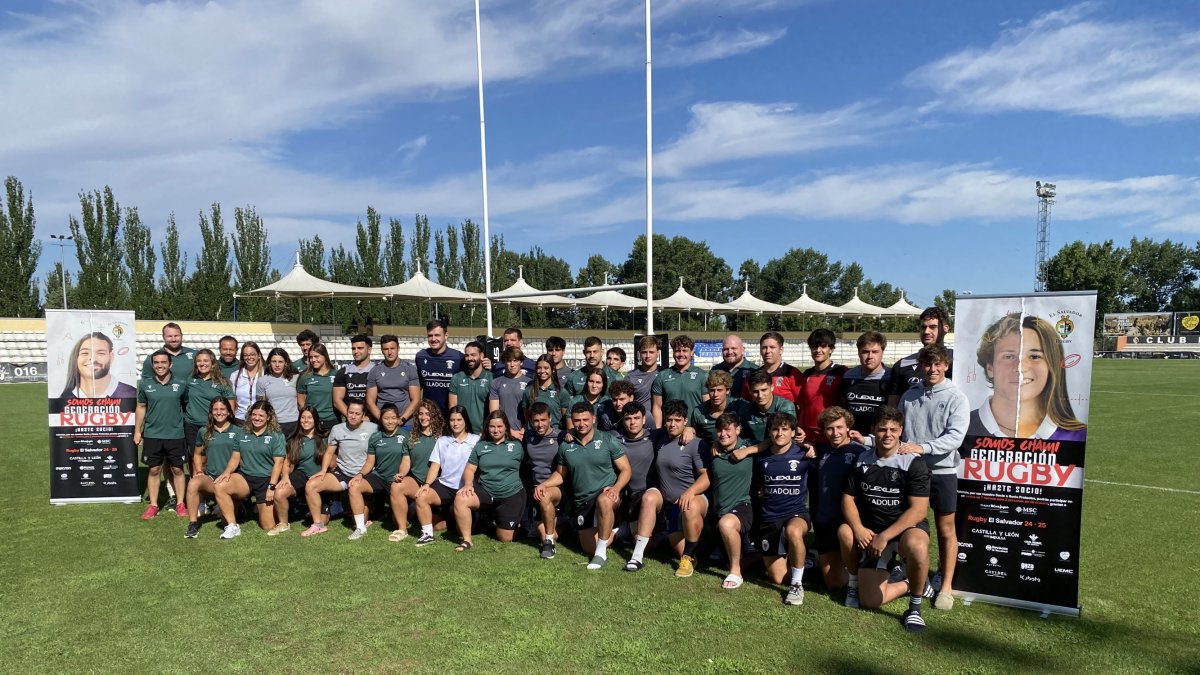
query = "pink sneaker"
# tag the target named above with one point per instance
(181, 509)
(313, 529)
(150, 512)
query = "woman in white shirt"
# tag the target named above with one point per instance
(446, 466)
(245, 380)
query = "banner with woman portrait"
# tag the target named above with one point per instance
(1025, 364)
(92, 372)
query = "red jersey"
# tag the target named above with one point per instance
(787, 383)
(819, 389)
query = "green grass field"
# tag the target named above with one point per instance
(92, 588)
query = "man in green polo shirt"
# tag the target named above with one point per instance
(305, 340)
(228, 362)
(763, 402)
(158, 428)
(703, 418)
(598, 470)
(181, 357)
(593, 355)
(681, 382)
(471, 386)
(731, 473)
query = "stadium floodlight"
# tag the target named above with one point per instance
(62, 240)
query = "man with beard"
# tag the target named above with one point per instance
(89, 370)
(471, 387)
(734, 362)
(228, 362)
(351, 380)
(181, 357)
(394, 381)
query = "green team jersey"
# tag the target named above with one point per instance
(595, 406)
(307, 463)
(228, 369)
(754, 428)
(200, 395)
(181, 364)
(164, 407)
(675, 385)
(552, 397)
(577, 379)
(419, 454)
(472, 393)
(498, 467)
(218, 449)
(388, 451)
(730, 480)
(590, 465)
(705, 424)
(258, 452)
(318, 390)
(300, 364)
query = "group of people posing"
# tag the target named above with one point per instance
(746, 459)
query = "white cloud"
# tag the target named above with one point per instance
(1069, 62)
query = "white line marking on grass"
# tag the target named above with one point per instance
(1147, 487)
(1143, 393)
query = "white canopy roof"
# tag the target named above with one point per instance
(419, 287)
(300, 284)
(902, 308)
(610, 300)
(806, 305)
(684, 301)
(857, 307)
(747, 303)
(521, 286)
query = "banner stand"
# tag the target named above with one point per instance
(968, 597)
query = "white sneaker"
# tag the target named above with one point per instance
(357, 533)
(232, 530)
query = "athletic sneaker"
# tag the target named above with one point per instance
(357, 533)
(193, 529)
(912, 621)
(278, 529)
(548, 549)
(898, 572)
(687, 565)
(181, 510)
(597, 562)
(936, 581)
(171, 503)
(852, 597)
(425, 540)
(231, 530)
(795, 595)
(150, 512)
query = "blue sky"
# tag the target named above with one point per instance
(904, 136)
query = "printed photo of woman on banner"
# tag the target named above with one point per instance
(1025, 364)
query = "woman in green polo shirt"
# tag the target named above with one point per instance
(315, 386)
(214, 450)
(415, 466)
(544, 388)
(492, 482)
(206, 384)
(301, 460)
(385, 451)
(259, 457)
(595, 384)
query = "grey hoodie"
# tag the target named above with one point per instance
(936, 418)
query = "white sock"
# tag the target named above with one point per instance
(639, 547)
(427, 530)
(360, 521)
(550, 538)
(797, 575)
(602, 549)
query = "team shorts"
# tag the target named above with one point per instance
(327, 425)
(342, 477)
(444, 493)
(258, 486)
(378, 485)
(156, 451)
(883, 562)
(287, 428)
(190, 431)
(298, 479)
(506, 511)
(673, 515)
(631, 508)
(771, 537)
(943, 492)
(825, 537)
(745, 515)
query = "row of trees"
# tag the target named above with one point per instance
(121, 266)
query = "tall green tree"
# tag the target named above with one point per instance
(945, 301)
(472, 258)
(98, 248)
(312, 258)
(1157, 273)
(20, 249)
(370, 263)
(173, 285)
(141, 263)
(705, 275)
(1095, 266)
(418, 248)
(211, 289)
(54, 287)
(252, 263)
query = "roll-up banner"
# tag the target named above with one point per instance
(1025, 364)
(92, 372)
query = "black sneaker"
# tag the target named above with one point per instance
(193, 529)
(548, 549)
(171, 502)
(425, 540)
(912, 621)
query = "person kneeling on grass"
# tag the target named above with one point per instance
(446, 465)
(305, 453)
(415, 465)
(836, 458)
(682, 482)
(599, 470)
(259, 456)
(215, 444)
(782, 479)
(541, 459)
(385, 453)
(491, 482)
(885, 503)
(348, 445)
(731, 472)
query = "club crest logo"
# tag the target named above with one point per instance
(510, 446)
(1064, 327)
(118, 330)
(449, 363)
(792, 464)
(1190, 322)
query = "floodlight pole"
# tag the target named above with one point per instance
(62, 261)
(649, 188)
(487, 238)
